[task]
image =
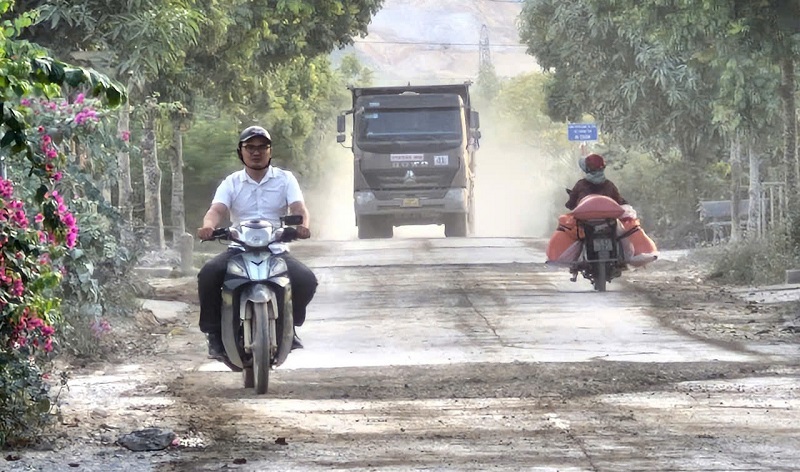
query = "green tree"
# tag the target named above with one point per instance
(699, 77)
(244, 44)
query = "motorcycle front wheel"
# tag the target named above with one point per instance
(262, 357)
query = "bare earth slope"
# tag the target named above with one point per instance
(425, 41)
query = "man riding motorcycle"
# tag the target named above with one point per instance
(259, 191)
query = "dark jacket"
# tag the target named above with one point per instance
(583, 188)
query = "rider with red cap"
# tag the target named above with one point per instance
(594, 183)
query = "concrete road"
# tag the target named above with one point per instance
(454, 355)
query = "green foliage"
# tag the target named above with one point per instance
(354, 73)
(305, 96)
(33, 251)
(24, 400)
(671, 78)
(210, 154)
(755, 262)
(606, 64)
(659, 191)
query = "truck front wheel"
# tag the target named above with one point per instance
(455, 226)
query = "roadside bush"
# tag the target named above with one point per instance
(38, 231)
(658, 190)
(753, 262)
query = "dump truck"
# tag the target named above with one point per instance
(414, 157)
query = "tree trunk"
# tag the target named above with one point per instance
(124, 187)
(153, 217)
(787, 90)
(755, 222)
(736, 186)
(177, 208)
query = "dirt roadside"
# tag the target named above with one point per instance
(684, 299)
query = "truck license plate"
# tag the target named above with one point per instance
(410, 202)
(601, 244)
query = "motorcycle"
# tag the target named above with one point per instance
(257, 322)
(602, 256)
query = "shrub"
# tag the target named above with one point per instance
(758, 261)
(33, 249)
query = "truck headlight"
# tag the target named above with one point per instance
(363, 198)
(456, 195)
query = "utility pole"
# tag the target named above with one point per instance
(488, 84)
(484, 56)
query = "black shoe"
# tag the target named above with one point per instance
(296, 343)
(216, 350)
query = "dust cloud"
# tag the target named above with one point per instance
(519, 191)
(330, 200)
(518, 188)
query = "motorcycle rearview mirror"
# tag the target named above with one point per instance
(292, 220)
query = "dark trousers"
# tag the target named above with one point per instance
(209, 289)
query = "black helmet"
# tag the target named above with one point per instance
(253, 131)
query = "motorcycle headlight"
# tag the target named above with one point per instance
(256, 237)
(278, 267)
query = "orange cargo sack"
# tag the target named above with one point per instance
(564, 241)
(644, 249)
(597, 207)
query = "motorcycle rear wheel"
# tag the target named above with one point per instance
(262, 357)
(600, 276)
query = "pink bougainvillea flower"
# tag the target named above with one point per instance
(6, 188)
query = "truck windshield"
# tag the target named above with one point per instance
(411, 125)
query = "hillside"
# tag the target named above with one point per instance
(432, 42)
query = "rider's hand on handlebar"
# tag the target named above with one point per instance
(303, 232)
(205, 233)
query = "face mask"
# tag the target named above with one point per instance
(596, 176)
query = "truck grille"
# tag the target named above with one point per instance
(402, 179)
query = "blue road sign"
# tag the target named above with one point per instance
(582, 132)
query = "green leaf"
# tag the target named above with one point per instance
(8, 138)
(40, 193)
(74, 76)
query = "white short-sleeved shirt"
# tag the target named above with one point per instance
(269, 199)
